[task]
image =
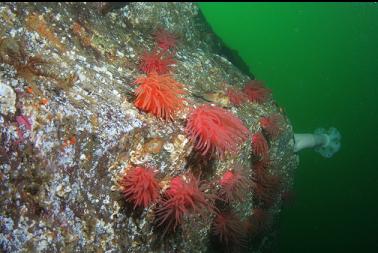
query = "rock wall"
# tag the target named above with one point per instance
(70, 130)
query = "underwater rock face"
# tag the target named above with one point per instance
(7, 99)
(70, 131)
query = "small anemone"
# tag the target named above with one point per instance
(183, 196)
(236, 96)
(272, 125)
(215, 130)
(260, 146)
(259, 222)
(159, 95)
(156, 61)
(266, 187)
(140, 187)
(165, 39)
(234, 185)
(256, 91)
(229, 229)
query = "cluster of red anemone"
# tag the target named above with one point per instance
(260, 145)
(256, 91)
(234, 184)
(266, 186)
(183, 197)
(158, 92)
(213, 131)
(159, 59)
(227, 225)
(236, 96)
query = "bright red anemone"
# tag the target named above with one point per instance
(266, 187)
(229, 228)
(260, 146)
(272, 124)
(236, 97)
(234, 185)
(256, 91)
(156, 61)
(183, 196)
(215, 130)
(140, 186)
(159, 95)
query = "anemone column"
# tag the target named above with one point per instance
(325, 142)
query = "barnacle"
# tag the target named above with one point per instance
(159, 95)
(215, 130)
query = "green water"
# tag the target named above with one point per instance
(321, 61)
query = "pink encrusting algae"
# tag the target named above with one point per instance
(215, 130)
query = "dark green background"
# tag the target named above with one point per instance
(321, 61)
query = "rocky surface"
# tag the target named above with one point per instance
(69, 127)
